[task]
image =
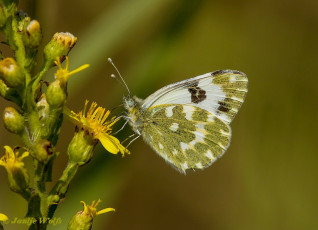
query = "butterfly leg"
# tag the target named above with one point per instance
(133, 136)
(121, 116)
(121, 128)
(138, 135)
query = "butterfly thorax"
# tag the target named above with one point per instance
(135, 112)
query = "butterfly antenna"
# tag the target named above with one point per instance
(121, 78)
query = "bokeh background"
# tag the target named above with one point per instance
(268, 177)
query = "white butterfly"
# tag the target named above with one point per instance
(187, 123)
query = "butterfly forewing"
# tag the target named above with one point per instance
(186, 136)
(221, 93)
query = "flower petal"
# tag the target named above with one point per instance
(9, 151)
(5, 218)
(110, 143)
(105, 210)
(25, 154)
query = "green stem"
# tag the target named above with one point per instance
(62, 185)
(31, 88)
(39, 172)
(42, 206)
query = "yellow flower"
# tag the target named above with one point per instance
(63, 74)
(12, 160)
(56, 93)
(94, 121)
(3, 217)
(84, 219)
(91, 210)
(17, 175)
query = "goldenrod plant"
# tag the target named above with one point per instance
(36, 115)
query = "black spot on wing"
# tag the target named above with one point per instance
(197, 94)
(223, 106)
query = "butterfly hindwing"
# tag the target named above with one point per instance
(185, 135)
(220, 93)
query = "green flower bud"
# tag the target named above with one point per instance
(9, 93)
(42, 150)
(11, 73)
(4, 89)
(32, 36)
(58, 47)
(80, 150)
(13, 120)
(56, 94)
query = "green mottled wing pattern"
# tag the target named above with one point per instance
(234, 85)
(186, 136)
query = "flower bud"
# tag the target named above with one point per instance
(56, 94)
(11, 73)
(32, 36)
(9, 94)
(42, 150)
(13, 120)
(84, 219)
(42, 107)
(58, 47)
(4, 89)
(80, 150)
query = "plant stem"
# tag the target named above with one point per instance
(62, 184)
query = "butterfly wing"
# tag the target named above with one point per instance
(186, 136)
(221, 93)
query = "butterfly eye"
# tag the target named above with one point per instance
(129, 102)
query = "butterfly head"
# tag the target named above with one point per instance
(131, 102)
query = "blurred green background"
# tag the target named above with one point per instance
(268, 177)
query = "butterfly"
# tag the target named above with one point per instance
(187, 123)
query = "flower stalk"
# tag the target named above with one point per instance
(37, 114)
